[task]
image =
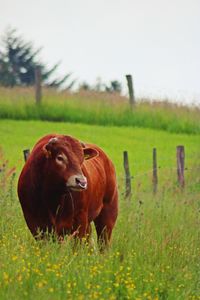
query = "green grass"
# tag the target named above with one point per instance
(155, 248)
(98, 108)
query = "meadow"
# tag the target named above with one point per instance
(155, 251)
(98, 109)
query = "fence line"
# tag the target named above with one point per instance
(26, 154)
(146, 173)
(161, 159)
(180, 155)
(127, 175)
(149, 171)
(180, 169)
(130, 90)
(155, 173)
(38, 85)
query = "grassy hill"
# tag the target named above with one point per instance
(99, 109)
(155, 249)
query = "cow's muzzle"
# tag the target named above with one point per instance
(77, 183)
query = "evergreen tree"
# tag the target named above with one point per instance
(18, 60)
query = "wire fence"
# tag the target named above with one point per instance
(156, 172)
(150, 171)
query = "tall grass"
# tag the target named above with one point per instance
(154, 254)
(155, 247)
(98, 108)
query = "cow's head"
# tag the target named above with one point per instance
(64, 158)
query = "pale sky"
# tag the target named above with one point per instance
(157, 41)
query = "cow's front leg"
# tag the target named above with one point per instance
(81, 226)
(62, 230)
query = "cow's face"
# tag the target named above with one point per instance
(64, 158)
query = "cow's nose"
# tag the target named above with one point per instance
(81, 181)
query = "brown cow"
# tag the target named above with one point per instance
(65, 185)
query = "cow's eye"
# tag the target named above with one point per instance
(59, 158)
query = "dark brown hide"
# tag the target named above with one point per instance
(65, 185)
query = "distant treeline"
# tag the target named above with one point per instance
(19, 60)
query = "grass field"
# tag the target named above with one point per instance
(155, 252)
(98, 108)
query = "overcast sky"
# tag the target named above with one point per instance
(156, 41)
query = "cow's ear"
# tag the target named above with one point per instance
(83, 144)
(46, 151)
(90, 153)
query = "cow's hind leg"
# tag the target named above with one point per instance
(104, 224)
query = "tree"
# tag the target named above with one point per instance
(18, 60)
(84, 86)
(114, 87)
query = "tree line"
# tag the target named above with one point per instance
(19, 59)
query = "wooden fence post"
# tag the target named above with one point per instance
(127, 176)
(38, 88)
(131, 90)
(155, 175)
(26, 154)
(180, 155)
